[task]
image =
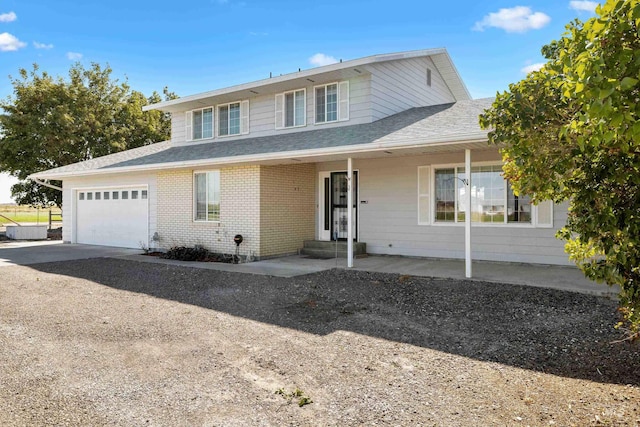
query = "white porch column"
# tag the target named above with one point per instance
(467, 215)
(349, 213)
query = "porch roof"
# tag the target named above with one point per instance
(443, 127)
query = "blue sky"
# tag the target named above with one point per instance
(198, 46)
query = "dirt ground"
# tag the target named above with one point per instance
(115, 342)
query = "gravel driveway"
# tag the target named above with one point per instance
(118, 342)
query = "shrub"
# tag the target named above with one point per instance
(183, 253)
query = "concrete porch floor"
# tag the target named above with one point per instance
(566, 278)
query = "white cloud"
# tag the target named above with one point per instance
(10, 43)
(320, 59)
(586, 6)
(532, 67)
(517, 19)
(74, 56)
(42, 45)
(8, 17)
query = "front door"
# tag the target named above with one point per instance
(333, 205)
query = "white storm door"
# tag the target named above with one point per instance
(324, 206)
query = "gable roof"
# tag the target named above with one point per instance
(338, 71)
(422, 127)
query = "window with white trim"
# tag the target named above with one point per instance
(291, 109)
(199, 124)
(492, 198)
(206, 186)
(332, 102)
(233, 118)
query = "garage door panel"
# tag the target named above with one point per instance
(114, 221)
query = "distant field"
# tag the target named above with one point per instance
(26, 214)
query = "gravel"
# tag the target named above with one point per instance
(119, 342)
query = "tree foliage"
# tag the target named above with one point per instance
(51, 122)
(570, 131)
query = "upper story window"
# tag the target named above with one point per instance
(291, 109)
(332, 102)
(199, 124)
(233, 118)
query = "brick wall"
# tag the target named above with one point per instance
(273, 207)
(287, 208)
(239, 211)
(240, 208)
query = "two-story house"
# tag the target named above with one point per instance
(270, 160)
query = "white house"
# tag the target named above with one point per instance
(269, 160)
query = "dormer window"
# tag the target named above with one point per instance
(199, 124)
(332, 102)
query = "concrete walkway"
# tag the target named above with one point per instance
(546, 276)
(17, 252)
(566, 278)
(556, 277)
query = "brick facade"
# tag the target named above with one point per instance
(287, 207)
(272, 207)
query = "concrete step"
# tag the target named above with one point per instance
(358, 247)
(323, 249)
(327, 254)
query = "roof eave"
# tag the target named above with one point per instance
(456, 83)
(283, 155)
(165, 105)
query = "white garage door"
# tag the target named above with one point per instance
(113, 217)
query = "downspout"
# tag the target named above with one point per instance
(46, 184)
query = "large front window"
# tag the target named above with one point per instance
(229, 119)
(207, 196)
(492, 199)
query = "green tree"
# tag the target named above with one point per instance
(51, 122)
(570, 131)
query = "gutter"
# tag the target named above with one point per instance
(46, 184)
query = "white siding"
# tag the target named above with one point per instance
(388, 222)
(399, 85)
(68, 198)
(178, 133)
(262, 113)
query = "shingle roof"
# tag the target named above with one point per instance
(447, 122)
